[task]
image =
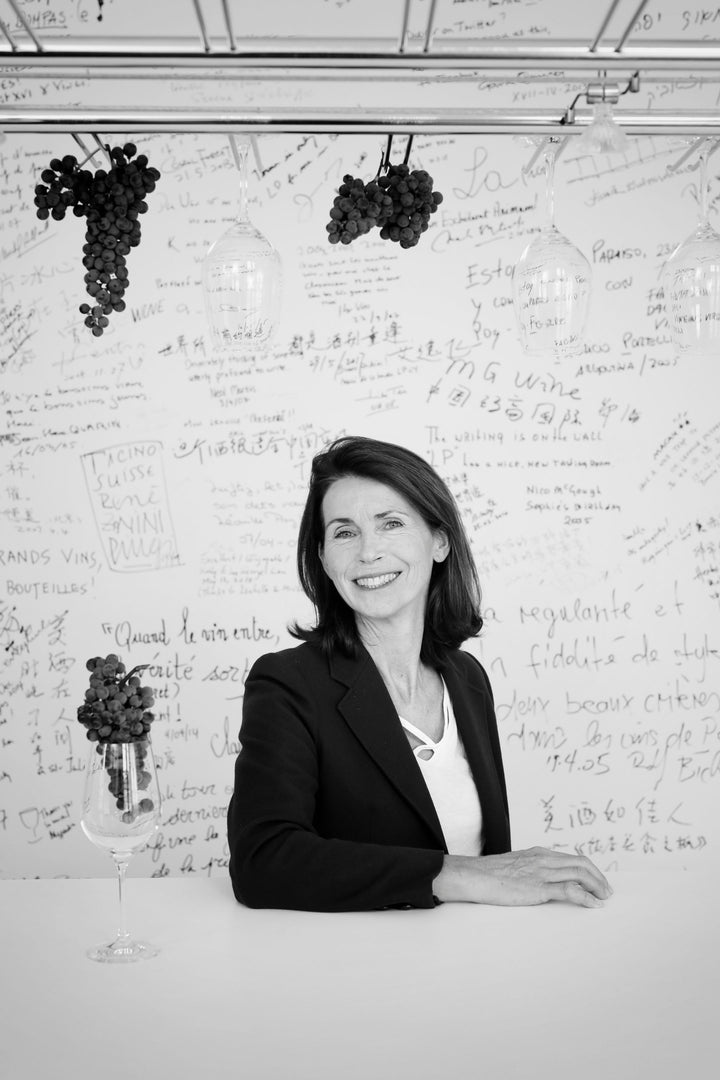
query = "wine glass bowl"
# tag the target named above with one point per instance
(551, 284)
(121, 812)
(691, 284)
(242, 278)
(691, 279)
(551, 293)
(241, 282)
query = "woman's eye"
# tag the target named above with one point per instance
(393, 522)
(342, 534)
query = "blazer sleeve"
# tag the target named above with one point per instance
(277, 857)
(494, 737)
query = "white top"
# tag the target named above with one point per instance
(452, 789)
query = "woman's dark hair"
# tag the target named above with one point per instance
(453, 607)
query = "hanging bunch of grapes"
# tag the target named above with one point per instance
(111, 201)
(398, 200)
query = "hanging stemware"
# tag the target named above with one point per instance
(691, 280)
(551, 284)
(242, 278)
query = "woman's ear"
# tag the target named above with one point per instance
(441, 549)
(321, 557)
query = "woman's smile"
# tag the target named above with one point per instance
(378, 581)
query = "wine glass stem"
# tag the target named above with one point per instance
(121, 865)
(703, 184)
(550, 185)
(242, 148)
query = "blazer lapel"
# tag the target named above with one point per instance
(470, 705)
(368, 710)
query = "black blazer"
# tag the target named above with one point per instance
(330, 811)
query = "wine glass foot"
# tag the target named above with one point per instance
(122, 951)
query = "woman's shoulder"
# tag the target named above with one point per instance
(469, 667)
(296, 658)
(295, 681)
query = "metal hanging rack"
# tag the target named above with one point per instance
(420, 57)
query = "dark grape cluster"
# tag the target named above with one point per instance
(399, 203)
(356, 209)
(111, 201)
(413, 201)
(116, 707)
(116, 710)
(119, 787)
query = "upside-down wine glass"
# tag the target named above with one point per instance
(691, 281)
(121, 811)
(551, 285)
(242, 278)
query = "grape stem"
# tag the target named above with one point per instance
(104, 147)
(385, 156)
(138, 667)
(386, 162)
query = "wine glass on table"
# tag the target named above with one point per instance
(551, 284)
(691, 280)
(121, 812)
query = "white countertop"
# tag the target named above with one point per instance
(627, 992)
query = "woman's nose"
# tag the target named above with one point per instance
(370, 547)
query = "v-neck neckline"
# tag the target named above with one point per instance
(426, 742)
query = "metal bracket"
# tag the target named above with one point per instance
(26, 27)
(429, 26)
(601, 91)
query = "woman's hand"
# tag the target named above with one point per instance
(522, 878)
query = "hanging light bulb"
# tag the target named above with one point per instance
(603, 136)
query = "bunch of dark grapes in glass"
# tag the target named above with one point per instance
(111, 201)
(116, 710)
(116, 707)
(399, 203)
(413, 201)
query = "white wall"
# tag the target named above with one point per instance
(590, 487)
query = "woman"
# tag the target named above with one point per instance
(370, 774)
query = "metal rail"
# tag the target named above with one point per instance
(423, 56)
(371, 121)
(139, 53)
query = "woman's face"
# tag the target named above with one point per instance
(378, 550)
